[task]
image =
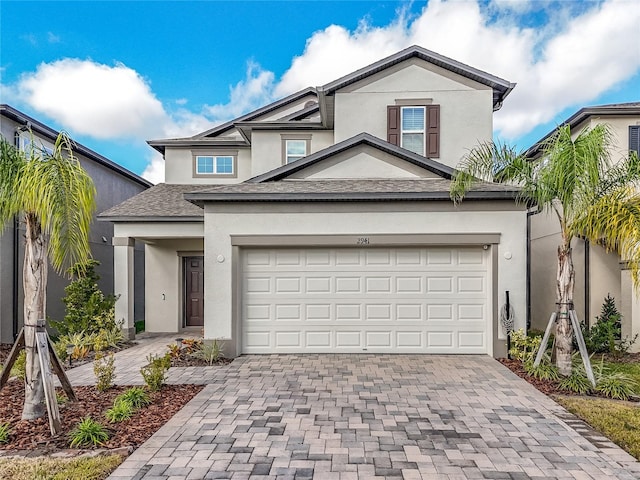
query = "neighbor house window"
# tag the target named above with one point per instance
(415, 127)
(634, 138)
(214, 165)
(295, 147)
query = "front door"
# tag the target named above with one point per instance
(194, 291)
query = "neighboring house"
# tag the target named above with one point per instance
(598, 272)
(322, 222)
(114, 184)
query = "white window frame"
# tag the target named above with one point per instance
(216, 158)
(289, 158)
(294, 137)
(423, 131)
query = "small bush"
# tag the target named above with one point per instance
(616, 385)
(174, 350)
(88, 433)
(60, 348)
(121, 410)
(86, 307)
(100, 342)
(114, 337)
(139, 324)
(5, 432)
(191, 345)
(577, 382)
(104, 369)
(605, 336)
(523, 347)
(544, 371)
(61, 399)
(154, 373)
(135, 396)
(209, 352)
(19, 368)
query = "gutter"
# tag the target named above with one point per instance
(528, 274)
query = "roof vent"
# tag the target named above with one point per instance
(310, 103)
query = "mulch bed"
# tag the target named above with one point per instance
(186, 360)
(35, 435)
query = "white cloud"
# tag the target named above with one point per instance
(53, 38)
(94, 99)
(154, 171)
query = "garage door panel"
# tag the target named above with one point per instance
(365, 299)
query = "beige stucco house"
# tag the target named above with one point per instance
(598, 272)
(322, 222)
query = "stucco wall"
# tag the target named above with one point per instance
(266, 147)
(163, 289)
(178, 165)
(355, 219)
(466, 107)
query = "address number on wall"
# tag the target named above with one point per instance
(363, 241)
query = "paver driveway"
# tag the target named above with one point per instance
(370, 417)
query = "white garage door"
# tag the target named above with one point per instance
(430, 300)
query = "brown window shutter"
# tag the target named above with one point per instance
(433, 131)
(393, 125)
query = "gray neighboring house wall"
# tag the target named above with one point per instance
(114, 184)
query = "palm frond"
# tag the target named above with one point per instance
(487, 162)
(12, 161)
(57, 189)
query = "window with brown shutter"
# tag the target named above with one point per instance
(416, 128)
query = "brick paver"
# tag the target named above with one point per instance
(370, 417)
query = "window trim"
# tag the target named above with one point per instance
(234, 164)
(293, 136)
(637, 146)
(423, 131)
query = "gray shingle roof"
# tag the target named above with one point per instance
(161, 202)
(348, 190)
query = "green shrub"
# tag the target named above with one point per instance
(5, 432)
(544, 371)
(577, 382)
(121, 410)
(113, 336)
(523, 347)
(154, 373)
(19, 368)
(139, 324)
(135, 396)
(60, 348)
(104, 370)
(99, 342)
(88, 433)
(87, 308)
(615, 385)
(209, 352)
(605, 336)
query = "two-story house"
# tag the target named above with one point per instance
(322, 222)
(114, 184)
(598, 272)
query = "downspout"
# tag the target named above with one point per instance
(530, 213)
(16, 256)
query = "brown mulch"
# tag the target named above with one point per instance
(35, 435)
(186, 360)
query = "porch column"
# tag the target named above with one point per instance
(123, 284)
(629, 308)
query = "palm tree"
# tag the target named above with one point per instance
(575, 180)
(55, 198)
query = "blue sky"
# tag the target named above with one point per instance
(115, 74)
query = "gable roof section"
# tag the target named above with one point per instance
(360, 139)
(501, 87)
(612, 109)
(208, 137)
(51, 134)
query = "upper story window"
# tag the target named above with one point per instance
(634, 138)
(214, 165)
(295, 147)
(415, 127)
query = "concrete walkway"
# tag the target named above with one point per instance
(128, 362)
(339, 417)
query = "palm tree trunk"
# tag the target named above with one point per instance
(564, 284)
(34, 281)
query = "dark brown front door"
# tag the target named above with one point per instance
(194, 291)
